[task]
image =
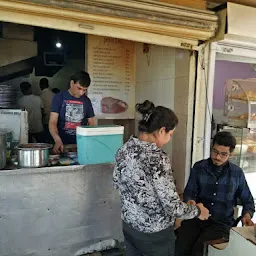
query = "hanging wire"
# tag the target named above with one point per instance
(148, 54)
(202, 64)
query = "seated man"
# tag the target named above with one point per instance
(218, 184)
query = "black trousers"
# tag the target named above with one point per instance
(39, 137)
(47, 135)
(192, 235)
(143, 244)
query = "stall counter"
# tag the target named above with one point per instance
(58, 210)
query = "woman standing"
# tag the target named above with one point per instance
(143, 176)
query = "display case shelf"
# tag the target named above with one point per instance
(240, 102)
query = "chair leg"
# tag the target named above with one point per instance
(206, 249)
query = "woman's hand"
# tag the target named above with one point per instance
(191, 202)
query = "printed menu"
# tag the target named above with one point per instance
(111, 65)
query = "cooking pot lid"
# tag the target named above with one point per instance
(33, 146)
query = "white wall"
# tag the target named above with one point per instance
(155, 78)
(17, 43)
(18, 31)
(162, 76)
(181, 155)
(12, 50)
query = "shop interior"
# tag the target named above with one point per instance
(234, 109)
(31, 53)
(161, 74)
(225, 72)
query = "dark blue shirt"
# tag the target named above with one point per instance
(219, 193)
(72, 112)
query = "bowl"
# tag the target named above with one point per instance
(54, 157)
(71, 154)
(66, 161)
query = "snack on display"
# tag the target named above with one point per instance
(240, 103)
(245, 117)
(251, 149)
(251, 96)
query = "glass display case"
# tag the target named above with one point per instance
(244, 154)
(240, 102)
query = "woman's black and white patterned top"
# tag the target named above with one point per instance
(144, 179)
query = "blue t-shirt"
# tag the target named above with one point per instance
(72, 112)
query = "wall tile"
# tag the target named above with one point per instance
(181, 57)
(168, 96)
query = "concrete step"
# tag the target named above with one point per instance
(112, 252)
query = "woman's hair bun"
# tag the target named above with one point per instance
(145, 108)
(155, 118)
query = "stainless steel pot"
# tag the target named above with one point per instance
(33, 155)
(2, 149)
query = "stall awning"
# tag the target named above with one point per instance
(144, 21)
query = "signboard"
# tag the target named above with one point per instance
(111, 65)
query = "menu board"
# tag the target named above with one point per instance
(111, 65)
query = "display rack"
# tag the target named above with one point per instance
(244, 154)
(240, 102)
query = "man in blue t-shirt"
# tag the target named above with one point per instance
(70, 109)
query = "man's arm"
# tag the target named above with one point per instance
(90, 113)
(244, 194)
(55, 133)
(191, 190)
(53, 128)
(91, 121)
(166, 190)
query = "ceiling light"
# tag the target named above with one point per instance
(58, 45)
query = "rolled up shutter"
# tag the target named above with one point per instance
(144, 21)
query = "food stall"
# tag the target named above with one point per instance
(72, 193)
(63, 209)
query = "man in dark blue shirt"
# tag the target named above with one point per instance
(70, 109)
(218, 185)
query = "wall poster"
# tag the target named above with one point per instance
(111, 65)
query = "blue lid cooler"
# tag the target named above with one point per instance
(98, 144)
